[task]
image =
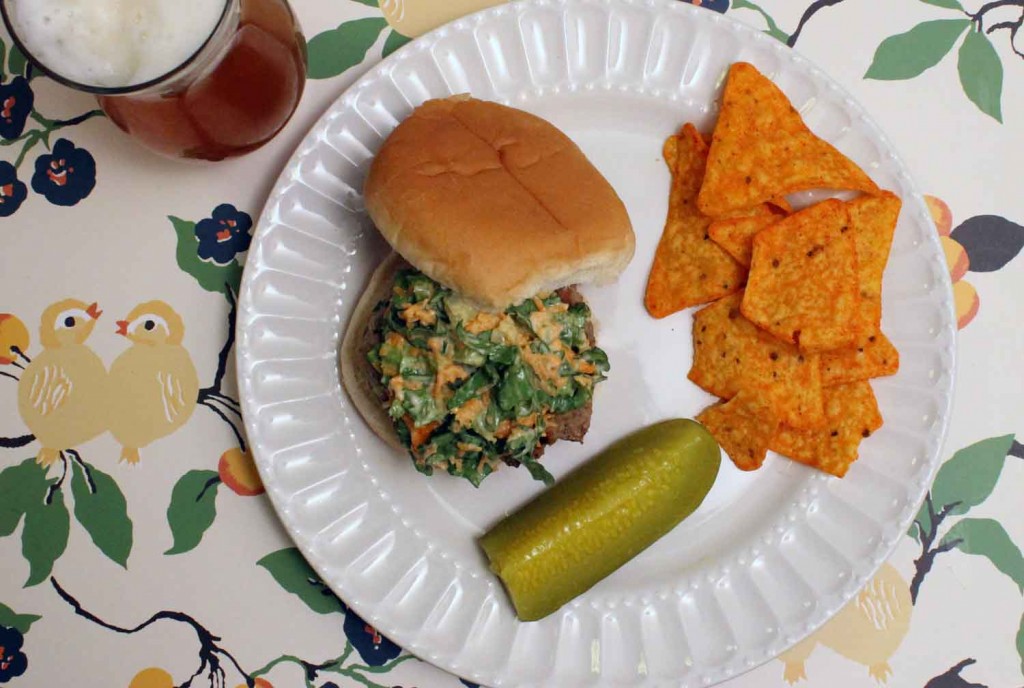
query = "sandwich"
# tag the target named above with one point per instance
(472, 347)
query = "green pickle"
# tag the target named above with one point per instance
(603, 514)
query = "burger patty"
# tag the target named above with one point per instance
(571, 425)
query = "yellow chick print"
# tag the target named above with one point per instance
(868, 630)
(60, 395)
(154, 386)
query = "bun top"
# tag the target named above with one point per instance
(495, 203)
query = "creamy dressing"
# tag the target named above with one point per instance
(469, 388)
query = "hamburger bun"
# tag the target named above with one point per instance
(495, 203)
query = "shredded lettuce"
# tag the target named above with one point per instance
(486, 368)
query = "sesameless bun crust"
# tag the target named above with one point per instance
(495, 203)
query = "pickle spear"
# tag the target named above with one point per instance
(603, 514)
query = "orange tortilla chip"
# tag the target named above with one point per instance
(873, 220)
(670, 151)
(689, 268)
(730, 354)
(852, 415)
(743, 427)
(762, 149)
(873, 356)
(803, 285)
(736, 234)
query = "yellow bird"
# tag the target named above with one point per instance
(868, 630)
(154, 386)
(60, 395)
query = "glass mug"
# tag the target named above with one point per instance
(234, 94)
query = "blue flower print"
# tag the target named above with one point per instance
(16, 101)
(12, 190)
(374, 648)
(224, 235)
(13, 661)
(66, 175)
(713, 5)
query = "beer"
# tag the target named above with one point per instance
(203, 79)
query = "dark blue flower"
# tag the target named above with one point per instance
(13, 661)
(713, 5)
(374, 648)
(16, 100)
(12, 190)
(66, 175)
(224, 235)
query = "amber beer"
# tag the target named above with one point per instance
(183, 89)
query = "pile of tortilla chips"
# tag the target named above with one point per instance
(792, 333)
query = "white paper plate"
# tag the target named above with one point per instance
(767, 558)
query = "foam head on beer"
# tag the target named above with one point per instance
(113, 43)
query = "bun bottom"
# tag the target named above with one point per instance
(358, 377)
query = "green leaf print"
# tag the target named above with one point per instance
(907, 55)
(981, 74)
(21, 487)
(211, 277)
(1020, 643)
(44, 537)
(16, 61)
(915, 530)
(192, 509)
(987, 537)
(22, 622)
(394, 41)
(968, 478)
(294, 574)
(101, 509)
(334, 51)
(948, 4)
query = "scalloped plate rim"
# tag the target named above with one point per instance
(243, 366)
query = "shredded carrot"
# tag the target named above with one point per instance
(420, 434)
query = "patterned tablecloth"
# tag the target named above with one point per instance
(175, 571)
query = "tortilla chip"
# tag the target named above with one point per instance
(670, 151)
(743, 427)
(873, 356)
(873, 220)
(730, 354)
(852, 415)
(689, 268)
(762, 149)
(736, 234)
(803, 285)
